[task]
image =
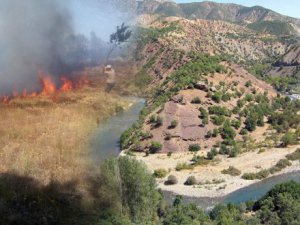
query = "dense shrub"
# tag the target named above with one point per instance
(157, 121)
(219, 110)
(194, 148)
(224, 150)
(256, 176)
(289, 139)
(183, 166)
(155, 147)
(190, 181)
(196, 100)
(294, 156)
(199, 161)
(217, 97)
(227, 132)
(232, 171)
(218, 120)
(215, 132)
(280, 165)
(171, 180)
(160, 173)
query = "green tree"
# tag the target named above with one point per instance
(251, 122)
(289, 139)
(118, 38)
(128, 189)
(227, 131)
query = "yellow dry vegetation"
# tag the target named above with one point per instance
(47, 137)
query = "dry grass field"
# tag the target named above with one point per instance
(47, 137)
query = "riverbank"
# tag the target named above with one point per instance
(213, 183)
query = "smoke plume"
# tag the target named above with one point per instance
(54, 36)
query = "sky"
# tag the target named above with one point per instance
(285, 7)
(92, 15)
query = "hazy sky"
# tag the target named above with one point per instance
(286, 7)
(93, 15)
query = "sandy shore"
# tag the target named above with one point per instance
(213, 183)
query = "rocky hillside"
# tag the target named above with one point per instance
(209, 125)
(218, 11)
(163, 39)
(192, 72)
(184, 118)
(285, 72)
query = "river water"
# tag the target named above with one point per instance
(105, 144)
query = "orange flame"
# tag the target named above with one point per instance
(48, 87)
(67, 85)
(47, 83)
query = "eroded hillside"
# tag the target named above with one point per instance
(206, 115)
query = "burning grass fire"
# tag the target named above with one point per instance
(48, 87)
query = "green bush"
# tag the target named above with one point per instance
(200, 161)
(294, 156)
(224, 150)
(256, 176)
(183, 166)
(226, 97)
(160, 173)
(234, 152)
(232, 171)
(212, 154)
(152, 119)
(190, 181)
(244, 132)
(236, 124)
(196, 100)
(209, 134)
(289, 139)
(215, 132)
(280, 165)
(194, 148)
(205, 121)
(248, 83)
(171, 180)
(218, 120)
(155, 147)
(217, 97)
(251, 122)
(227, 132)
(159, 121)
(173, 124)
(146, 135)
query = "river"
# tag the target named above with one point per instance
(105, 144)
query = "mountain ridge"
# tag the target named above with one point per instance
(215, 11)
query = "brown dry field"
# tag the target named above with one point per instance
(49, 140)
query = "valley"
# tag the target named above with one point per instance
(195, 133)
(149, 112)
